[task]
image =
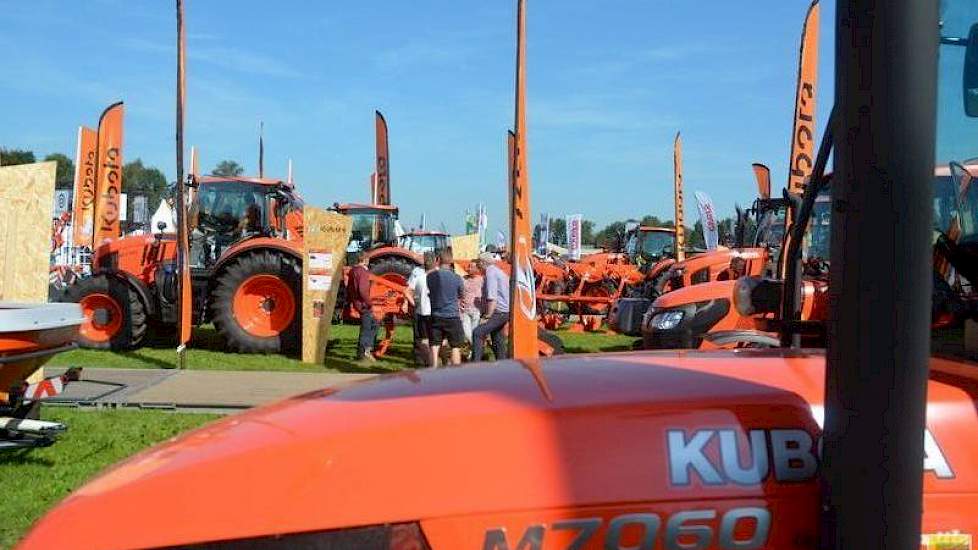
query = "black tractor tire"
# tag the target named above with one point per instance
(386, 265)
(131, 333)
(552, 340)
(229, 280)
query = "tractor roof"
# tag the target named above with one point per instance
(426, 233)
(241, 179)
(336, 441)
(652, 229)
(358, 206)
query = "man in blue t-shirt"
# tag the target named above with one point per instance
(445, 290)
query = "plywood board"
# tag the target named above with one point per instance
(26, 200)
(465, 247)
(325, 237)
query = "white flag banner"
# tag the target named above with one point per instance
(708, 218)
(544, 234)
(500, 240)
(483, 223)
(574, 235)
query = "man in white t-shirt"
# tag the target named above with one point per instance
(417, 295)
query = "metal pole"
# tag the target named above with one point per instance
(880, 275)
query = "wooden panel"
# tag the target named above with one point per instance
(465, 247)
(26, 205)
(325, 237)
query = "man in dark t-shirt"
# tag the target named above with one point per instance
(358, 293)
(445, 288)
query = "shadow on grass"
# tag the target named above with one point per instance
(24, 457)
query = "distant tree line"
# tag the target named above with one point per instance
(137, 178)
(607, 237)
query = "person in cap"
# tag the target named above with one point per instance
(495, 297)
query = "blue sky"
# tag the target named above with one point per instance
(609, 84)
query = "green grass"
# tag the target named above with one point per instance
(35, 480)
(207, 353)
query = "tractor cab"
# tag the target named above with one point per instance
(420, 242)
(373, 225)
(648, 245)
(226, 210)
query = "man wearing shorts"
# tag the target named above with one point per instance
(445, 290)
(417, 295)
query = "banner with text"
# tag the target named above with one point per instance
(708, 219)
(574, 235)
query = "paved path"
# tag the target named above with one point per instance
(188, 389)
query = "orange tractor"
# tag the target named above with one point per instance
(748, 312)
(246, 271)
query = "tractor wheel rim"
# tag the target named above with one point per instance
(264, 306)
(100, 332)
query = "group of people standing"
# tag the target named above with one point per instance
(460, 312)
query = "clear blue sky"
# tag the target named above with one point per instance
(609, 84)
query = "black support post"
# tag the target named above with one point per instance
(880, 275)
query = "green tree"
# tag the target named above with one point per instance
(138, 179)
(65, 176)
(11, 157)
(587, 232)
(228, 168)
(558, 231)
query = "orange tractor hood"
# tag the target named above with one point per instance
(468, 449)
(696, 293)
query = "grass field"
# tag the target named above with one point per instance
(207, 353)
(34, 481)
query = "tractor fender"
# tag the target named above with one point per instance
(378, 253)
(291, 248)
(141, 289)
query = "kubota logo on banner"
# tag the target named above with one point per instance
(107, 209)
(708, 218)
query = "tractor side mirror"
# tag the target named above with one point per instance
(161, 226)
(970, 76)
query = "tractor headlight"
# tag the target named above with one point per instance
(668, 320)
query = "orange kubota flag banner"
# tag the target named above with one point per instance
(677, 165)
(522, 307)
(803, 132)
(109, 181)
(383, 181)
(763, 176)
(86, 174)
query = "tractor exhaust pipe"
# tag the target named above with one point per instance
(880, 275)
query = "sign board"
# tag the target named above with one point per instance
(26, 197)
(123, 207)
(140, 211)
(62, 202)
(325, 237)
